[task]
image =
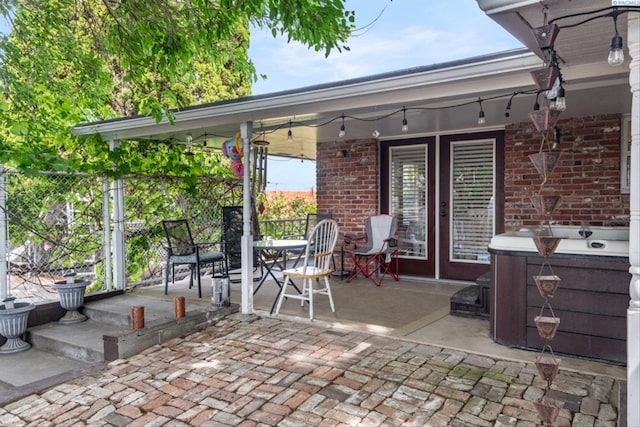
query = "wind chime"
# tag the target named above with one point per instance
(548, 81)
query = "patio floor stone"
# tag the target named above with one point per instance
(281, 372)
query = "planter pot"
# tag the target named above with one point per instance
(71, 299)
(13, 324)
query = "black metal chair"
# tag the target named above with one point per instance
(182, 250)
(232, 228)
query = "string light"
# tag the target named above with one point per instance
(507, 111)
(560, 102)
(405, 125)
(481, 119)
(616, 54)
(375, 133)
(188, 143)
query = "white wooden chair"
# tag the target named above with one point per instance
(317, 265)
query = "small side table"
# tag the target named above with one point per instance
(340, 273)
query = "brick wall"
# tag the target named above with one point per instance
(348, 186)
(586, 177)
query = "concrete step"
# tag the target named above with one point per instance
(107, 335)
(80, 341)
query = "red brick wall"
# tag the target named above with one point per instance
(586, 177)
(348, 186)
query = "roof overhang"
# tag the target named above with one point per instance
(428, 93)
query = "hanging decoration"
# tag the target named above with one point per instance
(548, 82)
(232, 148)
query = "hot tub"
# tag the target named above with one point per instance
(603, 241)
(591, 300)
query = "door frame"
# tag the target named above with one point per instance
(438, 153)
(466, 270)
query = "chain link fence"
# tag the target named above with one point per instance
(56, 222)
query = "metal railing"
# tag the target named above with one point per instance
(283, 228)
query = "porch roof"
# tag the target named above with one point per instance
(377, 101)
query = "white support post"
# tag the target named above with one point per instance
(106, 235)
(246, 306)
(118, 248)
(4, 259)
(633, 312)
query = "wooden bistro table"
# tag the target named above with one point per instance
(272, 254)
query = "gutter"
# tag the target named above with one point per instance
(275, 105)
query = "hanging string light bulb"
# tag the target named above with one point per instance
(405, 124)
(342, 132)
(616, 54)
(481, 118)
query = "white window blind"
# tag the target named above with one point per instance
(472, 197)
(408, 195)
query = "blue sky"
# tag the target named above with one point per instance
(407, 33)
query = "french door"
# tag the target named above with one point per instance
(447, 194)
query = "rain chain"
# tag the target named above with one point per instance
(547, 80)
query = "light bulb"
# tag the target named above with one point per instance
(375, 133)
(616, 54)
(342, 132)
(560, 102)
(481, 119)
(405, 124)
(188, 144)
(289, 136)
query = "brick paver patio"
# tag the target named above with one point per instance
(278, 372)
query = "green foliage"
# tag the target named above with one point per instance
(73, 61)
(278, 205)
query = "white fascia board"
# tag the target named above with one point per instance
(281, 105)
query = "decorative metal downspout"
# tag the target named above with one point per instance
(246, 305)
(633, 312)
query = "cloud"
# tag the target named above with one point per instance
(407, 35)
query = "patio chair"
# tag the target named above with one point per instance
(310, 223)
(232, 228)
(317, 258)
(378, 256)
(182, 250)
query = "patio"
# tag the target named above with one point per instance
(369, 363)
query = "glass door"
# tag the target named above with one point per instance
(408, 176)
(468, 192)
